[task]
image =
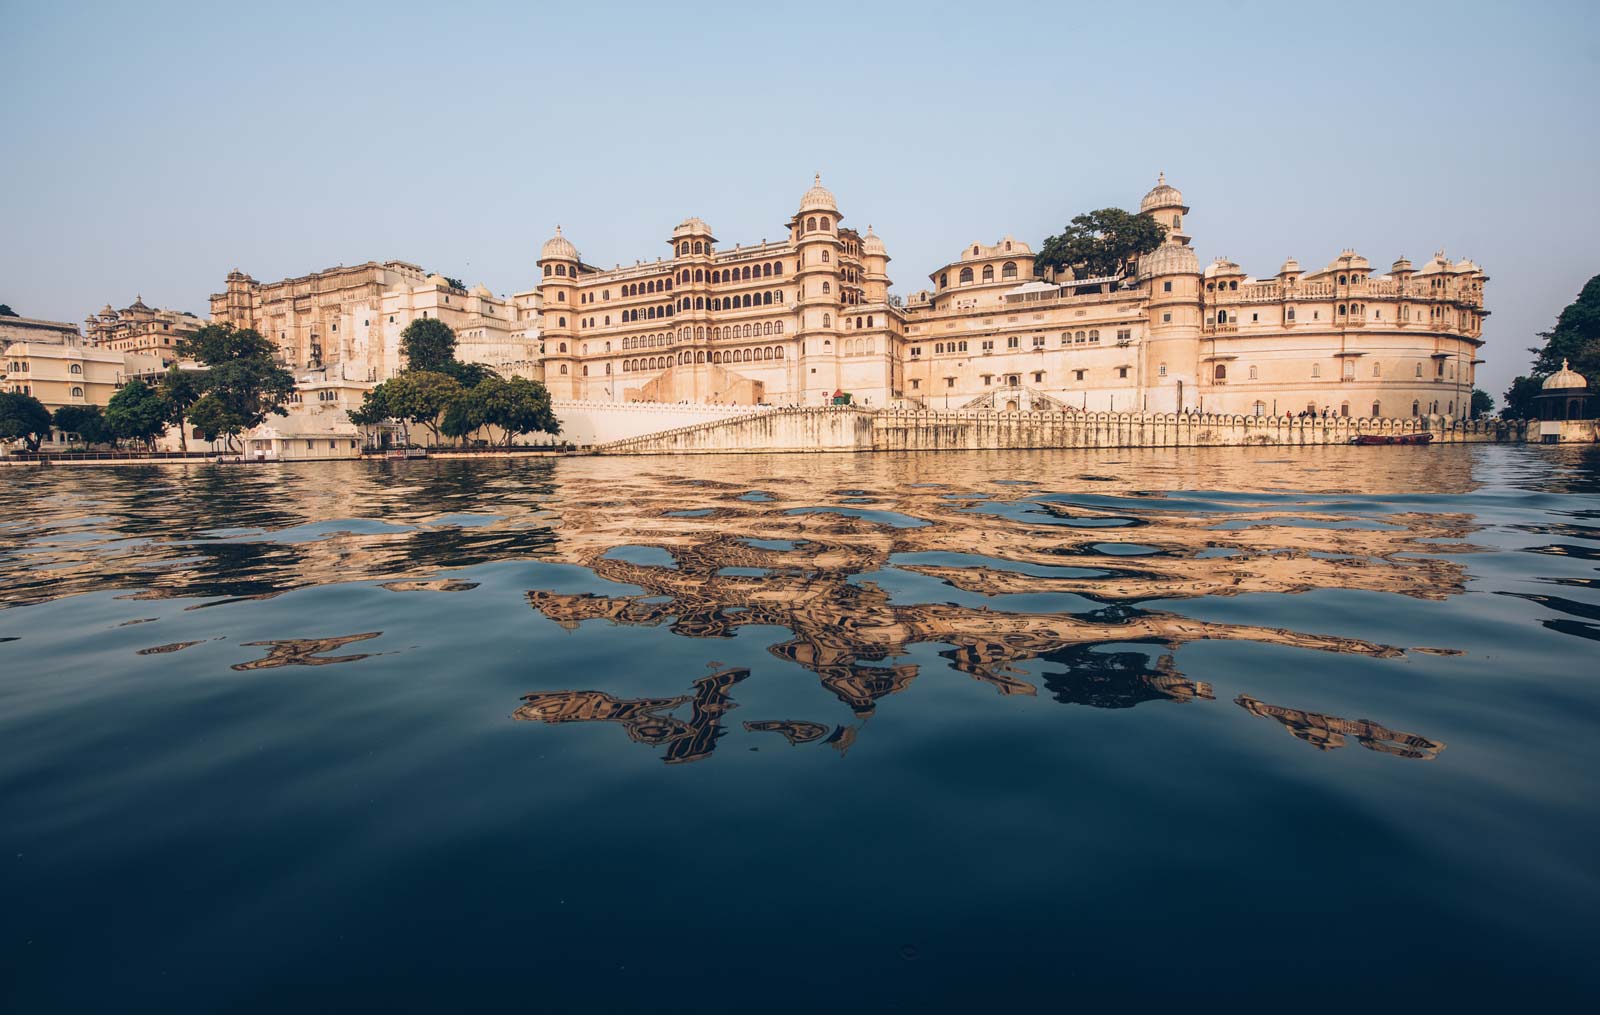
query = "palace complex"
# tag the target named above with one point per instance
(796, 321)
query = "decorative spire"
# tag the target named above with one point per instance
(1161, 178)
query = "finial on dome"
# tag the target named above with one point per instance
(817, 179)
(1564, 363)
(1161, 178)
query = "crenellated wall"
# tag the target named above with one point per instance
(848, 428)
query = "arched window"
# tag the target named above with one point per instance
(826, 224)
(988, 273)
(766, 299)
(1009, 269)
(746, 272)
(1222, 371)
(777, 352)
(562, 322)
(699, 248)
(966, 275)
(683, 248)
(563, 347)
(779, 327)
(777, 267)
(563, 369)
(1162, 370)
(1377, 409)
(1316, 370)
(1341, 310)
(77, 368)
(811, 223)
(766, 269)
(561, 269)
(1341, 282)
(1252, 373)
(827, 320)
(77, 392)
(826, 257)
(826, 288)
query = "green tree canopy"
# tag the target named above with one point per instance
(1101, 242)
(374, 408)
(1482, 403)
(241, 385)
(6, 311)
(1574, 340)
(180, 389)
(87, 421)
(454, 283)
(517, 406)
(420, 396)
(137, 412)
(428, 344)
(23, 418)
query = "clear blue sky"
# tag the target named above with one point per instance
(150, 148)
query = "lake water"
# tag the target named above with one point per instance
(1304, 729)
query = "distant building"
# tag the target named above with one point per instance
(61, 374)
(29, 329)
(139, 329)
(352, 318)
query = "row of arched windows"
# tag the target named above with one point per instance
(748, 330)
(857, 346)
(718, 277)
(869, 324)
(647, 341)
(645, 288)
(763, 299)
(813, 223)
(1007, 271)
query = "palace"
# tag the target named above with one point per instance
(139, 329)
(800, 320)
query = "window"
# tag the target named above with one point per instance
(1038, 377)
(76, 368)
(1166, 318)
(966, 276)
(949, 382)
(1377, 371)
(1161, 371)
(827, 320)
(1316, 370)
(1079, 374)
(1009, 269)
(1038, 341)
(825, 257)
(1122, 371)
(1290, 313)
(77, 392)
(988, 273)
(1221, 372)
(1376, 409)
(915, 384)
(1011, 343)
(1166, 287)
(1252, 373)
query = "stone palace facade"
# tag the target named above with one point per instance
(795, 321)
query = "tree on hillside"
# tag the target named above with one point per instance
(87, 421)
(23, 418)
(428, 344)
(420, 396)
(517, 406)
(1101, 242)
(6, 311)
(455, 283)
(137, 412)
(180, 389)
(1575, 340)
(242, 382)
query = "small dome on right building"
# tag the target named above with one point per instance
(1564, 379)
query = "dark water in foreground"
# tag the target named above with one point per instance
(788, 733)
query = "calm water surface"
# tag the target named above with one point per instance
(796, 733)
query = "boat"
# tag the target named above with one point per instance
(1421, 437)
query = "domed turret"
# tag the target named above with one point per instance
(871, 246)
(1169, 259)
(1223, 268)
(692, 226)
(1564, 379)
(1290, 267)
(818, 198)
(482, 291)
(1162, 196)
(558, 248)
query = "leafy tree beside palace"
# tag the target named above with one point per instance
(1100, 243)
(1575, 339)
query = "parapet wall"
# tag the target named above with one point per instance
(592, 422)
(848, 428)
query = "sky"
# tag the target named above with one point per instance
(148, 149)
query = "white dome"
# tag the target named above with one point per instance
(1290, 267)
(872, 246)
(558, 247)
(1564, 378)
(482, 290)
(1162, 195)
(818, 198)
(1169, 259)
(1222, 267)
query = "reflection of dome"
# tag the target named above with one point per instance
(1564, 378)
(1162, 195)
(1170, 259)
(558, 247)
(871, 246)
(693, 226)
(818, 198)
(1222, 267)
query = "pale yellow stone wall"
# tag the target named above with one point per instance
(60, 375)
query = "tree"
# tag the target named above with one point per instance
(428, 344)
(1576, 336)
(87, 421)
(1101, 242)
(137, 412)
(180, 389)
(242, 383)
(469, 375)
(23, 418)
(1520, 397)
(1575, 340)
(454, 283)
(517, 406)
(420, 396)
(374, 409)
(6, 311)
(1482, 403)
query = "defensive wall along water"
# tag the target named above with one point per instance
(849, 428)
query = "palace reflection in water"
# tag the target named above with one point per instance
(859, 560)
